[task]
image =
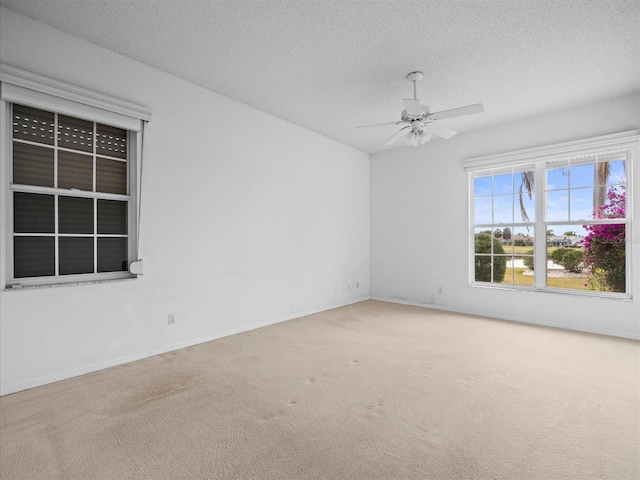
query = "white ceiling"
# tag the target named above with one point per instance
(332, 65)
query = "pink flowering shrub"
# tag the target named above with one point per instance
(605, 244)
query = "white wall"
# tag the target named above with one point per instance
(419, 224)
(246, 220)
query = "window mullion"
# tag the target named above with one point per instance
(95, 200)
(6, 195)
(56, 237)
(493, 229)
(540, 232)
(629, 161)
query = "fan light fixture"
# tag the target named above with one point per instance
(414, 139)
(418, 120)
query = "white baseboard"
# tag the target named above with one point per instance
(75, 372)
(510, 318)
(95, 367)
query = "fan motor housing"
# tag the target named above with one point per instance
(405, 117)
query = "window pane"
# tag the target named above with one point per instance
(610, 175)
(523, 238)
(32, 165)
(611, 201)
(33, 125)
(111, 141)
(581, 176)
(617, 172)
(503, 209)
(76, 255)
(523, 243)
(510, 272)
(581, 204)
(507, 240)
(482, 210)
(503, 183)
(112, 254)
(605, 253)
(482, 244)
(483, 268)
(505, 236)
(558, 205)
(33, 257)
(112, 217)
(525, 179)
(600, 201)
(525, 207)
(75, 215)
(499, 266)
(490, 268)
(565, 257)
(490, 261)
(75, 171)
(33, 213)
(111, 176)
(482, 186)
(524, 277)
(557, 178)
(75, 134)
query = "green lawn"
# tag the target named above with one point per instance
(553, 282)
(567, 282)
(519, 250)
(519, 279)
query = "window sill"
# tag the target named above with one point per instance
(555, 291)
(21, 287)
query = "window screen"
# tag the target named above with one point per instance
(70, 182)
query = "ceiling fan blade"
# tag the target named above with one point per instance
(412, 107)
(458, 112)
(439, 130)
(381, 124)
(397, 135)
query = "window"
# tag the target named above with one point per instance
(504, 211)
(70, 184)
(555, 219)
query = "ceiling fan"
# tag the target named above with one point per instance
(418, 120)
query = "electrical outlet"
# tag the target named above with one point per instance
(357, 284)
(172, 318)
(439, 289)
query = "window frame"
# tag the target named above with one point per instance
(540, 158)
(24, 88)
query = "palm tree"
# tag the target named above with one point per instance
(549, 235)
(602, 172)
(526, 186)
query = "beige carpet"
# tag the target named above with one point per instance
(371, 391)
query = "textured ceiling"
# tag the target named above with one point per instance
(332, 65)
